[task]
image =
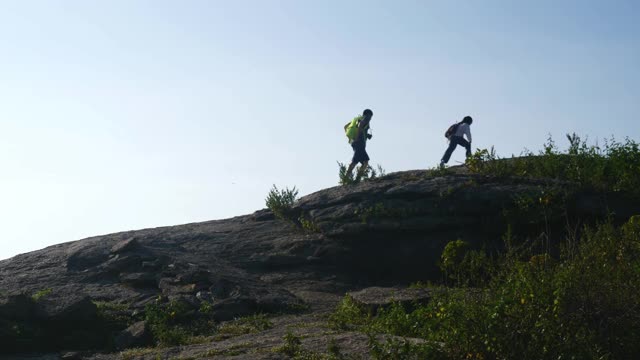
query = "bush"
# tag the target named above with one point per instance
(613, 167)
(348, 315)
(582, 304)
(308, 225)
(350, 179)
(166, 322)
(175, 323)
(466, 267)
(487, 162)
(402, 349)
(280, 202)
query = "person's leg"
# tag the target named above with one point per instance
(362, 170)
(447, 154)
(466, 145)
(350, 169)
(355, 160)
(360, 156)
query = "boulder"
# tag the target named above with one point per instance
(125, 245)
(87, 257)
(374, 298)
(66, 308)
(170, 286)
(121, 263)
(278, 302)
(205, 296)
(195, 276)
(140, 280)
(16, 307)
(223, 288)
(229, 309)
(136, 335)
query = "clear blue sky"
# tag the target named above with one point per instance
(119, 115)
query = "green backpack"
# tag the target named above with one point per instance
(351, 128)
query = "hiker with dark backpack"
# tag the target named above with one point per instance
(357, 133)
(456, 134)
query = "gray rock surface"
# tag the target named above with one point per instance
(125, 245)
(67, 308)
(385, 232)
(14, 307)
(136, 335)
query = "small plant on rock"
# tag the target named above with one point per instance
(280, 201)
(485, 161)
(350, 179)
(245, 325)
(348, 315)
(41, 294)
(308, 225)
(166, 321)
(611, 167)
(177, 323)
(292, 346)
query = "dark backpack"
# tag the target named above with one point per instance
(451, 130)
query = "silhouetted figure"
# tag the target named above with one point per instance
(456, 134)
(357, 133)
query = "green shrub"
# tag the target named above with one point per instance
(378, 172)
(613, 167)
(582, 304)
(333, 349)
(452, 255)
(41, 294)
(175, 323)
(115, 316)
(403, 349)
(380, 211)
(367, 213)
(307, 224)
(438, 171)
(466, 267)
(280, 202)
(485, 161)
(292, 344)
(206, 308)
(292, 347)
(348, 315)
(350, 179)
(166, 322)
(343, 176)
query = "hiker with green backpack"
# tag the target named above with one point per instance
(456, 133)
(357, 133)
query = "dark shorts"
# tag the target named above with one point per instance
(359, 152)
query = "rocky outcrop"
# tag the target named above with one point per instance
(56, 319)
(383, 232)
(136, 335)
(373, 298)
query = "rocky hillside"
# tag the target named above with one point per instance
(77, 299)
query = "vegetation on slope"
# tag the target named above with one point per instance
(535, 300)
(615, 166)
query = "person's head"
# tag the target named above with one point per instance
(367, 113)
(467, 120)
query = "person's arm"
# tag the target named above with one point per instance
(467, 132)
